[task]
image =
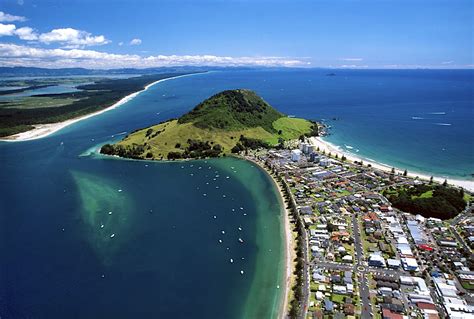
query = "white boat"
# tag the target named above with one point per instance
(241, 240)
(112, 236)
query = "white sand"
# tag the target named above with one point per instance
(43, 130)
(328, 147)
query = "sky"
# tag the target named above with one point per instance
(295, 33)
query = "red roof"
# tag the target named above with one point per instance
(425, 305)
(425, 247)
(387, 314)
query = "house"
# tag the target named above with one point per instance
(347, 259)
(388, 314)
(342, 290)
(350, 288)
(347, 277)
(410, 264)
(295, 155)
(328, 305)
(376, 260)
(393, 263)
(319, 295)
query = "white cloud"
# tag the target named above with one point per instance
(7, 29)
(352, 59)
(21, 2)
(16, 55)
(72, 38)
(353, 66)
(447, 62)
(135, 41)
(120, 43)
(5, 17)
(26, 33)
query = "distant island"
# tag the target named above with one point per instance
(231, 121)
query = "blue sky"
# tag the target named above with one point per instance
(332, 33)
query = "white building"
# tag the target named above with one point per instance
(295, 155)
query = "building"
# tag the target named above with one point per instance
(410, 264)
(393, 263)
(295, 155)
(376, 260)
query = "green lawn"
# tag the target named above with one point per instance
(427, 194)
(173, 133)
(338, 298)
(467, 285)
(291, 128)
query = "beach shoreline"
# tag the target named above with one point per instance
(44, 130)
(287, 236)
(333, 149)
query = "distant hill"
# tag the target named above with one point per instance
(38, 72)
(228, 122)
(32, 71)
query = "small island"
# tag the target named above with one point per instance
(231, 121)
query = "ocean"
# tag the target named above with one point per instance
(84, 236)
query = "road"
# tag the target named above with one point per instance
(361, 272)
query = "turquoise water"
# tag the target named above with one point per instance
(165, 259)
(157, 253)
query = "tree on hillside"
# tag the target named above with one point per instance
(405, 173)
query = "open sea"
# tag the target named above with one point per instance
(83, 236)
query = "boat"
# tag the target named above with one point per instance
(241, 272)
(112, 236)
(231, 260)
(241, 240)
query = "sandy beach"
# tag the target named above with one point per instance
(330, 148)
(288, 241)
(43, 130)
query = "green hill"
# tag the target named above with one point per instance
(228, 122)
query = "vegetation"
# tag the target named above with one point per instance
(233, 110)
(439, 201)
(229, 122)
(92, 97)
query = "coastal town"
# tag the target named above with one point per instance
(357, 255)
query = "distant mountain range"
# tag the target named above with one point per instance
(32, 71)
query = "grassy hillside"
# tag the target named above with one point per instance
(233, 110)
(228, 122)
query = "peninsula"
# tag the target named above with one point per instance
(231, 121)
(38, 115)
